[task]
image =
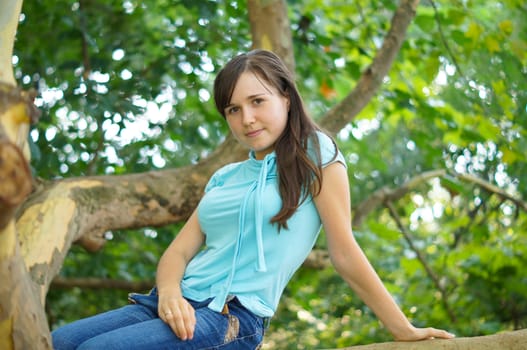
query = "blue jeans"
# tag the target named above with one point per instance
(138, 326)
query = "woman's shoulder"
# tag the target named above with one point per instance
(327, 149)
(325, 141)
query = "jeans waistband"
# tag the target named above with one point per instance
(266, 321)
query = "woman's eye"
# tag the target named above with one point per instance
(232, 110)
(258, 101)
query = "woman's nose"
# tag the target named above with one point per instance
(248, 116)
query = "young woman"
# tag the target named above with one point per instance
(220, 280)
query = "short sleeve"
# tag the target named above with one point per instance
(329, 152)
(213, 182)
(218, 178)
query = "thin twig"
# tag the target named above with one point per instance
(422, 259)
(445, 41)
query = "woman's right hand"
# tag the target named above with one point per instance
(177, 312)
(172, 308)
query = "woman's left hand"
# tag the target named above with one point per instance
(414, 334)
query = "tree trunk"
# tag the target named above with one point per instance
(8, 24)
(23, 322)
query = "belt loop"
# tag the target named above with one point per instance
(266, 322)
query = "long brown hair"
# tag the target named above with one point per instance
(298, 175)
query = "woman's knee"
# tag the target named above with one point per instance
(63, 340)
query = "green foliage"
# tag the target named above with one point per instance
(125, 87)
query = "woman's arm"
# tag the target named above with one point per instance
(333, 205)
(172, 307)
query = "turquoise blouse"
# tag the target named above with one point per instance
(245, 255)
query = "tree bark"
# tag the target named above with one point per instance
(503, 341)
(271, 29)
(23, 323)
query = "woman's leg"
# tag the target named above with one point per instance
(72, 335)
(139, 327)
(156, 334)
(238, 330)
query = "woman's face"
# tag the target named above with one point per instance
(257, 114)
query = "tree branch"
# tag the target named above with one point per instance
(487, 186)
(386, 193)
(507, 340)
(101, 283)
(271, 29)
(370, 81)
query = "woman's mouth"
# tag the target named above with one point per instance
(254, 133)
